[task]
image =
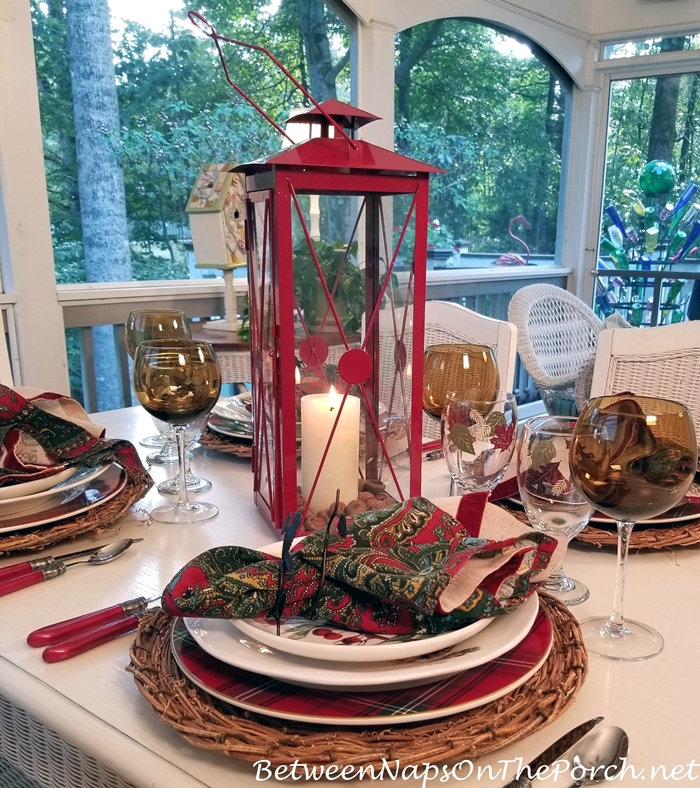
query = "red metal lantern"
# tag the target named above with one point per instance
(336, 235)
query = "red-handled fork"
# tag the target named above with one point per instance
(27, 567)
(108, 553)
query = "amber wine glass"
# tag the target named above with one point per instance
(145, 324)
(178, 381)
(453, 367)
(633, 458)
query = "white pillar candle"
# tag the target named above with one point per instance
(340, 469)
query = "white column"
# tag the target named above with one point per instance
(26, 253)
(583, 161)
(375, 80)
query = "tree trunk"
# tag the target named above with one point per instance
(100, 178)
(662, 132)
(411, 51)
(688, 142)
(403, 76)
(314, 34)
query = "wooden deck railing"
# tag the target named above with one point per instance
(487, 291)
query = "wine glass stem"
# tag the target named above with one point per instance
(182, 499)
(616, 624)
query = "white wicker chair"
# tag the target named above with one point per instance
(654, 362)
(557, 333)
(446, 322)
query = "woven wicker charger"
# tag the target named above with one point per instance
(207, 723)
(138, 483)
(653, 538)
(213, 440)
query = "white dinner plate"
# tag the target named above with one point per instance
(69, 503)
(685, 511)
(221, 639)
(228, 428)
(27, 502)
(36, 485)
(323, 640)
(234, 408)
(381, 706)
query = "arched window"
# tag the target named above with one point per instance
(489, 107)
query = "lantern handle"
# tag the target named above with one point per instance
(205, 26)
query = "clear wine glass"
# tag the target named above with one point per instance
(551, 500)
(452, 367)
(145, 324)
(633, 458)
(178, 381)
(478, 437)
(167, 454)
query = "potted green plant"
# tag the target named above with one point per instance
(349, 297)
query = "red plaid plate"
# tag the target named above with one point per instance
(222, 639)
(466, 690)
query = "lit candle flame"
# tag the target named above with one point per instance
(333, 398)
(465, 361)
(297, 376)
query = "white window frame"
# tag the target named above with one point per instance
(605, 72)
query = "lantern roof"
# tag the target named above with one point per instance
(330, 153)
(345, 115)
(327, 152)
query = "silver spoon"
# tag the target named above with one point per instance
(599, 756)
(103, 556)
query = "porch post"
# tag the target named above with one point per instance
(375, 79)
(26, 253)
(583, 161)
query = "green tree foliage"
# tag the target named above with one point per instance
(177, 113)
(492, 120)
(631, 111)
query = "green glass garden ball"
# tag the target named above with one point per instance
(657, 177)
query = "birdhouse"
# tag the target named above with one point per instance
(217, 220)
(336, 316)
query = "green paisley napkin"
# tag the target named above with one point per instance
(411, 568)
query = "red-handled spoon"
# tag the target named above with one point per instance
(62, 630)
(94, 637)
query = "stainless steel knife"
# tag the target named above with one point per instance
(553, 753)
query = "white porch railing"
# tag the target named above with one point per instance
(487, 291)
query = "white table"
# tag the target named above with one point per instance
(92, 703)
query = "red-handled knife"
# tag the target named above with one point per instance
(26, 567)
(71, 627)
(94, 637)
(24, 581)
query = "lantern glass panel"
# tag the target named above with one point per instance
(263, 344)
(353, 288)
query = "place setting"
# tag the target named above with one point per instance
(58, 477)
(229, 427)
(382, 659)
